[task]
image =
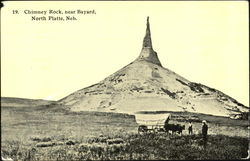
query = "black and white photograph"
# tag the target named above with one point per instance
(124, 80)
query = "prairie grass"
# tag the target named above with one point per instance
(136, 147)
(37, 134)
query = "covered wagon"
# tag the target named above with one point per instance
(152, 121)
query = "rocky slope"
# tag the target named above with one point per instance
(144, 85)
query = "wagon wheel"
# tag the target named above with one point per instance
(156, 130)
(142, 129)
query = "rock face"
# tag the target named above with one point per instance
(147, 52)
(144, 85)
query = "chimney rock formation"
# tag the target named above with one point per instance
(147, 52)
(144, 85)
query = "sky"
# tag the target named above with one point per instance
(205, 42)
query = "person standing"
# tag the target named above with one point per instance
(190, 128)
(204, 131)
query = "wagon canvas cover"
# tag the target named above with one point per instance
(152, 119)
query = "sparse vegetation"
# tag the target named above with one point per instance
(137, 89)
(29, 134)
(135, 147)
(195, 87)
(183, 83)
(171, 94)
(148, 91)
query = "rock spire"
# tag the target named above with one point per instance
(147, 52)
(147, 42)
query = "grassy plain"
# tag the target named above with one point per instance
(48, 133)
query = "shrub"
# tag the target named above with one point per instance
(45, 144)
(71, 142)
(115, 141)
(83, 148)
(101, 139)
(40, 138)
